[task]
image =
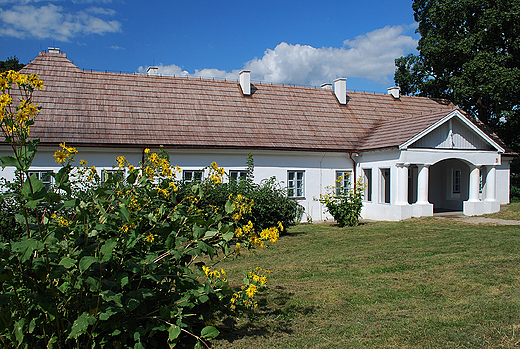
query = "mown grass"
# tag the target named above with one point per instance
(420, 283)
(510, 211)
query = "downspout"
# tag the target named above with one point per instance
(354, 165)
(321, 184)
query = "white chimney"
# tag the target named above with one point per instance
(340, 90)
(394, 91)
(326, 86)
(152, 70)
(54, 50)
(245, 82)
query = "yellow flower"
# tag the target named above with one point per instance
(147, 151)
(121, 160)
(251, 290)
(150, 237)
(60, 157)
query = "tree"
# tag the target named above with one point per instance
(469, 53)
(11, 63)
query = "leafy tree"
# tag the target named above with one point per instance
(11, 63)
(469, 52)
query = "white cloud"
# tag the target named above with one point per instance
(369, 56)
(117, 48)
(51, 21)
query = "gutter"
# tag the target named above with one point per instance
(354, 166)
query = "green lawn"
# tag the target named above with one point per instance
(420, 283)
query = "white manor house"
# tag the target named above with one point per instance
(416, 155)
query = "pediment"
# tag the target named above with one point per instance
(454, 131)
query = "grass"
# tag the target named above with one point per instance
(419, 283)
(511, 211)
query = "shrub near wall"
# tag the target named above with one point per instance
(130, 264)
(270, 202)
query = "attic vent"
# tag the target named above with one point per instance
(245, 82)
(152, 70)
(340, 90)
(54, 50)
(394, 91)
(326, 86)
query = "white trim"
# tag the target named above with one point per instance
(468, 123)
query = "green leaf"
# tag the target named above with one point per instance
(173, 332)
(86, 262)
(229, 235)
(38, 190)
(26, 248)
(107, 248)
(81, 325)
(229, 206)
(198, 231)
(67, 262)
(18, 330)
(209, 332)
(9, 161)
(125, 214)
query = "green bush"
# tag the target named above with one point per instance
(270, 202)
(129, 264)
(344, 205)
(515, 193)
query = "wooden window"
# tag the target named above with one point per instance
(368, 184)
(295, 184)
(385, 185)
(343, 182)
(45, 176)
(192, 175)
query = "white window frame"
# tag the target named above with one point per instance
(296, 184)
(193, 176)
(346, 181)
(456, 182)
(237, 175)
(39, 175)
(368, 184)
(386, 185)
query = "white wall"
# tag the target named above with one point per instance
(320, 167)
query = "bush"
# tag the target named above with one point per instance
(129, 264)
(271, 204)
(515, 193)
(344, 205)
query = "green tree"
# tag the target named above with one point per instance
(11, 63)
(469, 53)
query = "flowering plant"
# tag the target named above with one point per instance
(126, 264)
(344, 204)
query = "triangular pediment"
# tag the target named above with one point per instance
(454, 131)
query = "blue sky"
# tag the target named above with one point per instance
(296, 42)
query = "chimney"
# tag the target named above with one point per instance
(245, 82)
(54, 50)
(152, 70)
(340, 90)
(326, 86)
(394, 91)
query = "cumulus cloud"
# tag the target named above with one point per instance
(369, 56)
(51, 21)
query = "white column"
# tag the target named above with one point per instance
(474, 184)
(422, 184)
(402, 184)
(491, 179)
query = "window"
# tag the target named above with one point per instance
(295, 185)
(44, 176)
(456, 176)
(368, 184)
(118, 175)
(192, 175)
(238, 175)
(342, 182)
(385, 185)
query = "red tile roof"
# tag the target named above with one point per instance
(136, 110)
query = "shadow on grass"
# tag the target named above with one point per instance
(274, 314)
